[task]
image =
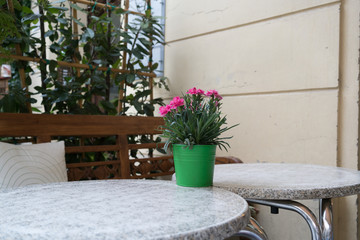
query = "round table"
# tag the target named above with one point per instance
(277, 184)
(120, 209)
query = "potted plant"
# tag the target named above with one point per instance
(193, 125)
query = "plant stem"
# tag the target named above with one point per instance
(43, 52)
(107, 90)
(18, 51)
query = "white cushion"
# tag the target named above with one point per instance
(22, 165)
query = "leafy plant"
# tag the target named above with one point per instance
(99, 43)
(7, 25)
(195, 119)
(83, 91)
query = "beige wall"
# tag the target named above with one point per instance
(278, 64)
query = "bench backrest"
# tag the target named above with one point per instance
(97, 146)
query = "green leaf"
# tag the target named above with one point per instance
(30, 18)
(141, 49)
(137, 53)
(154, 67)
(120, 11)
(108, 106)
(25, 9)
(49, 33)
(145, 42)
(77, 7)
(78, 22)
(90, 32)
(53, 64)
(62, 97)
(62, 21)
(56, 10)
(34, 109)
(130, 78)
(149, 109)
(59, 8)
(95, 18)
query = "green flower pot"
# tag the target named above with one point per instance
(194, 167)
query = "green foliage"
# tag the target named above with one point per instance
(102, 41)
(16, 100)
(195, 119)
(82, 91)
(8, 26)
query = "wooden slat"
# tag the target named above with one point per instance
(229, 159)
(76, 65)
(153, 175)
(98, 148)
(91, 164)
(146, 145)
(124, 156)
(153, 159)
(17, 124)
(43, 139)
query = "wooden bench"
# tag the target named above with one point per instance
(97, 146)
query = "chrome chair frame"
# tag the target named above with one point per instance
(320, 230)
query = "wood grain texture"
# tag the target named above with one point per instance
(14, 124)
(103, 138)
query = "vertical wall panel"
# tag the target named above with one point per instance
(277, 64)
(186, 18)
(292, 127)
(298, 51)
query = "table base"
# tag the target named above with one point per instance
(320, 230)
(326, 219)
(253, 231)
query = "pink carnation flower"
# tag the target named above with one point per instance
(195, 91)
(200, 92)
(191, 91)
(177, 102)
(213, 93)
(164, 110)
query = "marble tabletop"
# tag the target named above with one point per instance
(120, 209)
(281, 181)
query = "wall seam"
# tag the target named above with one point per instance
(253, 22)
(276, 92)
(344, 75)
(282, 92)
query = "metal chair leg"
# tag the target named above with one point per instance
(253, 231)
(296, 207)
(326, 219)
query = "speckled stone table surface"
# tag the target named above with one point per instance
(120, 209)
(278, 181)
